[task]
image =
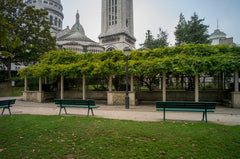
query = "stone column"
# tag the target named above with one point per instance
(164, 93)
(84, 87)
(236, 82)
(196, 89)
(40, 84)
(25, 84)
(110, 84)
(62, 87)
(132, 83)
(45, 80)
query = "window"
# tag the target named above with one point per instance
(51, 18)
(59, 23)
(55, 21)
(112, 12)
(45, 2)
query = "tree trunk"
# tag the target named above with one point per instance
(9, 67)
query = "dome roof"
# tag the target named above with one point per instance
(77, 36)
(217, 34)
(78, 28)
(76, 33)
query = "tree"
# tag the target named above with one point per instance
(181, 30)
(148, 43)
(151, 43)
(28, 33)
(162, 39)
(192, 31)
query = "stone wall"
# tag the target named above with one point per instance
(40, 97)
(118, 98)
(235, 99)
(217, 96)
(75, 94)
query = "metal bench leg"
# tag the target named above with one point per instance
(203, 116)
(206, 115)
(92, 112)
(9, 111)
(164, 114)
(60, 110)
(65, 110)
(3, 111)
(88, 112)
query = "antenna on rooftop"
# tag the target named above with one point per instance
(217, 24)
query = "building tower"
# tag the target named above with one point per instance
(117, 25)
(55, 14)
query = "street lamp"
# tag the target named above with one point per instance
(127, 53)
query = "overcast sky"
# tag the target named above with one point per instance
(152, 14)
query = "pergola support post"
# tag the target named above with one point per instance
(40, 84)
(25, 84)
(236, 81)
(62, 87)
(84, 87)
(110, 83)
(196, 89)
(164, 92)
(132, 83)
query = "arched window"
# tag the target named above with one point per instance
(51, 18)
(55, 21)
(59, 23)
(111, 49)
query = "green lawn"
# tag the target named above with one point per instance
(34, 136)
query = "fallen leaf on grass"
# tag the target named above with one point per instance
(1, 150)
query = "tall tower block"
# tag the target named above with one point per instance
(117, 25)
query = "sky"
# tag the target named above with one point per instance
(152, 14)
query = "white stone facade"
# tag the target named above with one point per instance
(219, 38)
(117, 30)
(55, 14)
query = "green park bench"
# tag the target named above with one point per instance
(7, 104)
(76, 103)
(186, 106)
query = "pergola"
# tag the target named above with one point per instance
(189, 59)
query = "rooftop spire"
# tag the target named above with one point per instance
(77, 20)
(77, 17)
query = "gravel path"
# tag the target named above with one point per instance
(222, 115)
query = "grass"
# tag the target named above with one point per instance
(33, 136)
(13, 92)
(8, 91)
